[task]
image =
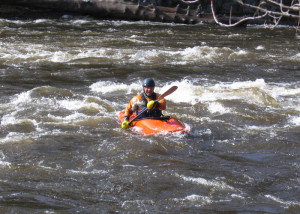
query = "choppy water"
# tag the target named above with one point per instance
(61, 146)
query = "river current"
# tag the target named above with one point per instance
(63, 82)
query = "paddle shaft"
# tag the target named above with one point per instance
(162, 96)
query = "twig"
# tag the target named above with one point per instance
(237, 23)
(277, 16)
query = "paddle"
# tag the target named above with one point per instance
(162, 96)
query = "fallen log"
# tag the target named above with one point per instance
(175, 11)
(107, 9)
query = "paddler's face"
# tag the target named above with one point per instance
(148, 91)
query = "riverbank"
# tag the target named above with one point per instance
(178, 12)
(110, 10)
(22, 12)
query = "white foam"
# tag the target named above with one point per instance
(71, 104)
(192, 92)
(259, 128)
(67, 55)
(81, 21)
(285, 203)
(38, 21)
(2, 160)
(258, 83)
(134, 39)
(213, 183)
(198, 198)
(204, 53)
(240, 52)
(218, 108)
(184, 56)
(260, 47)
(22, 98)
(74, 117)
(237, 196)
(12, 137)
(137, 202)
(296, 57)
(36, 53)
(5, 163)
(295, 120)
(278, 91)
(187, 92)
(142, 55)
(60, 56)
(187, 128)
(8, 119)
(109, 87)
(83, 172)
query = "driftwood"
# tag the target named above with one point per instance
(223, 12)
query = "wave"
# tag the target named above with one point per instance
(44, 109)
(218, 185)
(38, 53)
(193, 91)
(49, 110)
(93, 47)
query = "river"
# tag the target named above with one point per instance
(63, 82)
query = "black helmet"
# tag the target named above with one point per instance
(148, 82)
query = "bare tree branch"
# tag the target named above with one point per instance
(270, 12)
(237, 23)
(189, 1)
(293, 7)
(288, 11)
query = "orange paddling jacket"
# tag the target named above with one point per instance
(141, 100)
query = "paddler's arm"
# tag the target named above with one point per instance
(128, 112)
(162, 104)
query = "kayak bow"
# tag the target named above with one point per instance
(150, 126)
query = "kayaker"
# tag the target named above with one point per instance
(145, 99)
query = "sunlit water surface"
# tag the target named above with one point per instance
(64, 81)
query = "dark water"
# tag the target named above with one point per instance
(62, 150)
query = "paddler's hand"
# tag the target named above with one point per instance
(151, 104)
(125, 124)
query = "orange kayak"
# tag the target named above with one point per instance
(150, 126)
